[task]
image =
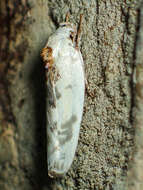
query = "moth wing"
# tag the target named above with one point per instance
(65, 118)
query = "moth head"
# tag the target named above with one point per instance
(69, 29)
(68, 26)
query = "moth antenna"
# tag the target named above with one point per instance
(67, 16)
(79, 31)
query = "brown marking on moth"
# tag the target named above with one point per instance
(53, 76)
(67, 134)
(51, 100)
(47, 56)
(72, 36)
(52, 91)
(70, 122)
(68, 137)
(52, 170)
(53, 127)
(68, 24)
(69, 86)
(54, 174)
(58, 94)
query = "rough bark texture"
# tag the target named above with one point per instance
(108, 129)
(135, 173)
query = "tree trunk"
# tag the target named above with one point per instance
(109, 153)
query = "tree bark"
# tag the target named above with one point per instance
(109, 153)
(135, 174)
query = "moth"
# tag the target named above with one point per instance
(65, 95)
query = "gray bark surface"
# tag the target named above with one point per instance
(135, 171)
(106, 154)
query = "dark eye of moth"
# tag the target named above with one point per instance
(71, 36)
(63, 25)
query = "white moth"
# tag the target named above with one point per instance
(65, 96)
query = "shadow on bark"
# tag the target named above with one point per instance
(38, 79)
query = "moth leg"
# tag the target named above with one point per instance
(47, 56)
(87, 89)
(79, 31)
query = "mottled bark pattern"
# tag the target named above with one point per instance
(12, 46)
(135, 173)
